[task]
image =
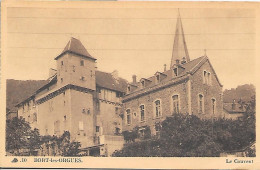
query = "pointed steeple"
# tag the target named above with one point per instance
(180, 51)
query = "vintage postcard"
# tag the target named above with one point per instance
(158, 85)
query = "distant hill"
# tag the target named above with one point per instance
(244, 92)
(18, 90)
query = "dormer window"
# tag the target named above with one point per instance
(128, 89)
(81, 62)
(157, 78)
(142, 82)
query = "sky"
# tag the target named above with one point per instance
(131, 40)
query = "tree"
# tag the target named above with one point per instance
(34, 141)
(69, 148)
(18, 133)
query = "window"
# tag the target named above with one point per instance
(116, 110)
(142, 132)
(65, 118)
(201, 103)
(118, 94)
(34, 117)
(81, 127)
(64, 103)
(82, 78)
(62, 63)
(206, 77)
(175, 71)
(81, 62)
(209, 79)
(176, 104)
(142, 82)
(61, 79)
(213, 102)
(142, 113)
(157, 78)
(73, 68)
(128, 117)
(117, 131)
(98, 105)
(57, 127)
(128, 89)
(157, 108)
(97, 128)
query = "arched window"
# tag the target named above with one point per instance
(204, 77)
(142, 115)
(157, 104)
(176, 104)
(209, 78)
(213, 103)
(201, 103)
(128, 117)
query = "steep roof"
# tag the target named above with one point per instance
(103, 79)
(188, 67)
(75, 46)
(179, 46)
(106, 80)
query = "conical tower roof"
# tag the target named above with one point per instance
(179, 46)
(75, 46)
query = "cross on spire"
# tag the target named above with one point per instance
(180, 50)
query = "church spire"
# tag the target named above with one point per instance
(180, 51)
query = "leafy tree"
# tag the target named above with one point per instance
(69, 148)
(34, 141)
(18, 133)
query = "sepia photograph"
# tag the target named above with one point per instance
(128, 79)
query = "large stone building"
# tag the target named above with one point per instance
(96, 106)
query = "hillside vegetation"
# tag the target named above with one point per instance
(243, 92)
(18, 90)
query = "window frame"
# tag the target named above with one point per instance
(172, 103)
(140, 111)
(82, 63)
(213, 107)
(155, 107)
(202, 110)
(130, 119)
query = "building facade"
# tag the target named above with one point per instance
(95, 107)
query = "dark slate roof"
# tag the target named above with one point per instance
(106, 80)
(237, 109)
(75, 46)
(103, 79)
(188, 67)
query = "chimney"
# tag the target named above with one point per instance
(164, 67)
(177, 61)
(183, 60)
(134, 78)
(115, 74)
(52, 72)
